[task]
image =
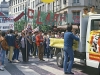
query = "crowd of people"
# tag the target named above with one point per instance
(28, 43)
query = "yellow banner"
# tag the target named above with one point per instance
(59, 43)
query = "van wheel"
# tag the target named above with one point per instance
(60, 60)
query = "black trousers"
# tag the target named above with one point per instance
(25, 54)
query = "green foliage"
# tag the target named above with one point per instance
(45, 26)
(19, 25)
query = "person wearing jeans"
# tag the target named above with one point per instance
(68, 51)
(3, 48)
(16, 50)
(3, 57)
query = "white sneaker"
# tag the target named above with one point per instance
(17, 61)
(47, 59)
(1, 68)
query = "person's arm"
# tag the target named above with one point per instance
(75, 37)
(38, 39)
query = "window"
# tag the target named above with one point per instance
(64, 1)
(95, 24)
(16, 9)
(29, 3)
(33, 4)
(75, 1)
(23, 7)
(48, 6)
(76, 17)
(20, 7)
(16, 1)
(43, 8)
(20, 0)
(40, 8)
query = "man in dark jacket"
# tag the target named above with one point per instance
(11, 42)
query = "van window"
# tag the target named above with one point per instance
(95, 24)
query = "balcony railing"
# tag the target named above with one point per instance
(76, 4)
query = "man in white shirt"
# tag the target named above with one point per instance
(85, 12)
(92, 10)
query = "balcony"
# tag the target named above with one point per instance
(76, 4)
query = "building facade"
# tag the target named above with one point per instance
(4, 7)
(71, 7)
(17, 6)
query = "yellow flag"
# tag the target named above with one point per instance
(47, 1)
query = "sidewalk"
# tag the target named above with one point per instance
(5, 72)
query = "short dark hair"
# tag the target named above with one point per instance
(85, 8)
(11, 31)
(69, 28)
(92, 6)
(45, 33)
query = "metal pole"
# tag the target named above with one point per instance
(26, 25)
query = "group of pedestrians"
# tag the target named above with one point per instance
(28, 43)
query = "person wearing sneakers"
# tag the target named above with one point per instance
(3, 48)
(68, 51)
(16, 50)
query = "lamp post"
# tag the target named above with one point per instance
(26, 26)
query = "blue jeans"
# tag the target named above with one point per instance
(45, 49)
(3, 56)
(48, 52)
(16, 54)
(68, 52)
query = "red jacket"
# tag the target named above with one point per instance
(39, 39)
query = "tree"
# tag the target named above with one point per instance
(19, 25)
(45, 26)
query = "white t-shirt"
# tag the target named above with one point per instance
(23, 42)
(91, 13)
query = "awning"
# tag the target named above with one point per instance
(65, 26)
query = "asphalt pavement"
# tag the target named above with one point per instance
(36, 67)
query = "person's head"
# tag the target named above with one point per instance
(59, 33)
(49, 32)
(11, 31)
(3, 34)
(85, 10)
(40, 32)
(8, 31)
(69, 28)
(45, 33)
(16, 31)
(92, 9)
(22, 34)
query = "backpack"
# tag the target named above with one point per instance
(4, 45)
(0, 45)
